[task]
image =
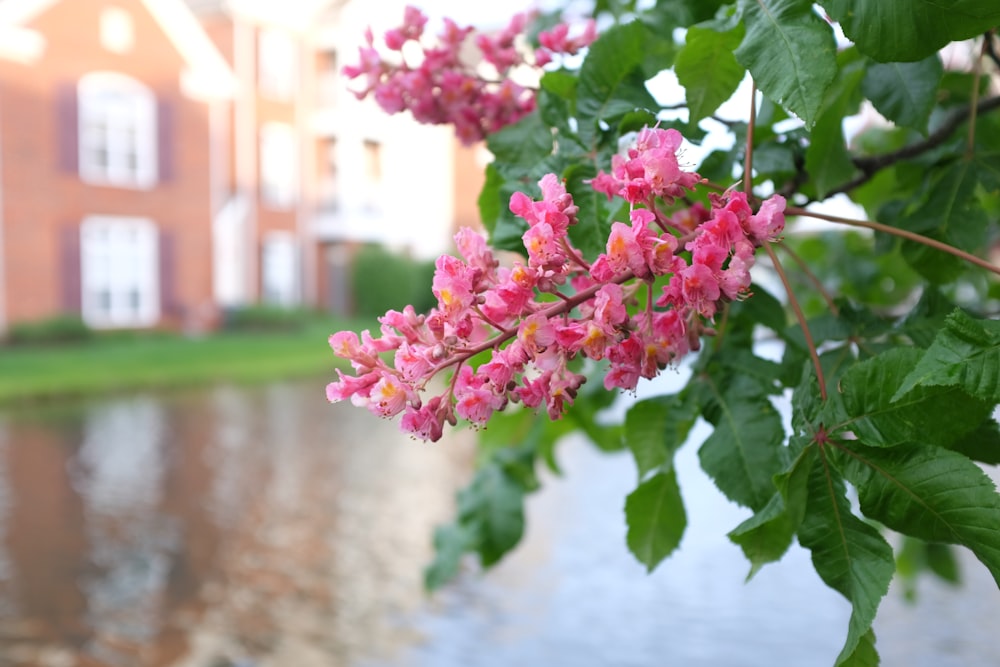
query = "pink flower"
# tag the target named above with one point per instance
(425, 422)
(347, 386)
(543, 246)
(536, 333)
(769, 221)
(387, 397)
(700, 289)
(625, 369)
(535, 318)
(452, 285)
(475, 402)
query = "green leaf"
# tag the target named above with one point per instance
(981, 444)
(656, 520)
(791, 53)
(493, 507)
(526, 142)
(656, 428)
(505, 229)
(590, 234)
(744, 451)
(708, 70)
(515, 435)
(489, 198)
(925, 320)
(864, 654)
(928, 492)
(682, 13)
(827, 159)
(766, 536)
(889, 30)
(611, 82)
(951, 208)
(849, 555)
(932, 415)
(450, 543)
(941, 561)
(904, 92)
(965, 354)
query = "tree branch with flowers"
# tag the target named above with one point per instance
(631, 260)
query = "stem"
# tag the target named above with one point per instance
(556, 308)
(748, 161)
(812, 278)
(990, 48)
(902, 233)
(488, 321)
(573, 255)
(977, 73)
(800, 316)
(714, 186)
(870, 166)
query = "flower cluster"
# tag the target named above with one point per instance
(447, 87)
(535, 317)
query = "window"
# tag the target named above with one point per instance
(119, 272)
(279, 269)
(277, 71)
(327, 174)
(117, 131)
(279, 171)
(330, 78)
(373, 173)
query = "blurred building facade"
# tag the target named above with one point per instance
(162, 161)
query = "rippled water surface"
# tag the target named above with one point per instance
(264, 527)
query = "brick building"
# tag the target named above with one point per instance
(99, 203)
(164, 160)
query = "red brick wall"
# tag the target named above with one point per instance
(40, 200)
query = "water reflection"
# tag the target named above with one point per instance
(263, 527)
(231, 526)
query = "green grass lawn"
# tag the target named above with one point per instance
(36, 373)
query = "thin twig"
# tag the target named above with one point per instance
(817, 283)
(871, 165)
(748, 160)
(991, 49)
(977, 73)
(801, 317)
(902, 233)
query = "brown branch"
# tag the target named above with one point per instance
(902, 233)
(991, 49)
(748, 160)
(801, 317)
(812, 277)
(970, 146)
(871, 165)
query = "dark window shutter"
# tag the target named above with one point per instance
(164, 141)
(69, 270)
(67, 128)
(169, 305)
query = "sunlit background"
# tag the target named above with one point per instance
(194, 180)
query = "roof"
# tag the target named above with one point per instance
(207, 75)
(292, 14)
(208, 6)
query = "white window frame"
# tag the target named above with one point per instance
(116, 118)
(374, 157)
(119, 272)
(279, 165)
(277, 64)
(279, 269)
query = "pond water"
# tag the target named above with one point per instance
(260, 526)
